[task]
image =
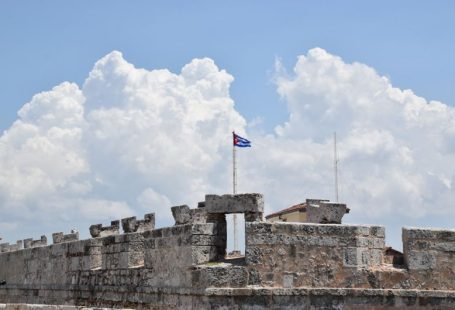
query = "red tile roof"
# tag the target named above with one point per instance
(301, 207)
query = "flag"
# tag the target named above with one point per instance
(240, 142)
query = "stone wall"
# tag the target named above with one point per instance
(286, 265)
(314, 255)
(429, 255)
(255, 298)
(318, 255)
(96, 271)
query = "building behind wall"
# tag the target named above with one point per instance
(299, 213)
(296, 213)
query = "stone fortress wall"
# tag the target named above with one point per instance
(286, 265)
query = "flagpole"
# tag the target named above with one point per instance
(335, 164)
(234, 189)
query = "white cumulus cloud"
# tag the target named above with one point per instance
(131, 141)
(395, 148)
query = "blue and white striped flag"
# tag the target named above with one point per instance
(240, 142)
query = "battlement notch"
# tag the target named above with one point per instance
(97, 230)
(131, 224)
(60, 237)
(30, 243)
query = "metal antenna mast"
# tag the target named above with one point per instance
(335, 164)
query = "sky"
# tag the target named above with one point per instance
(111, 109)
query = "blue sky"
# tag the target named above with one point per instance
(396, 146)
(47, 42)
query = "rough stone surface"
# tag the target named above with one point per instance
(30, 243)
(59, 237)
(97, 230)
(250, 204)
(319, 211)
(184, 215)
(254, 298)
(429, 254)
(6, 247)
(181, 214)
(131, 224)
(148, 223)
(286, 266)
(45, 307)
(295, 255)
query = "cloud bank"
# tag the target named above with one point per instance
(395, 147)
(129, 141)
(132, 140)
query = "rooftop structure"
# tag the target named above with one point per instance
(299, 212)
(296, 213)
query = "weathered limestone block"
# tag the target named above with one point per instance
(439, 235)
(361, 257)
(219, 275)
(131, 224)
(60, 237)
(181, 214)
(252, 205)
(97, 230)
(4, 247)
(325, 212)
(16, 247)
(304, 254)
(200, 216)
(148, 223)
(207, 253)
(253, 216)
(420, 260)
(92, 257)
(428, 249)
(82, 255)
(123, 251)
(30, 243)
(184, 215)
(183, 246)
(315, 201)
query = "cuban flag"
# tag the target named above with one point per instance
(240, 142)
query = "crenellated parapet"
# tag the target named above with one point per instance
(98, 230)
(215, 207)
(60, 237)
(141, 266)
(131, 224)
(30, 243)
(251, 205)
(184, 215)
(6, 247)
